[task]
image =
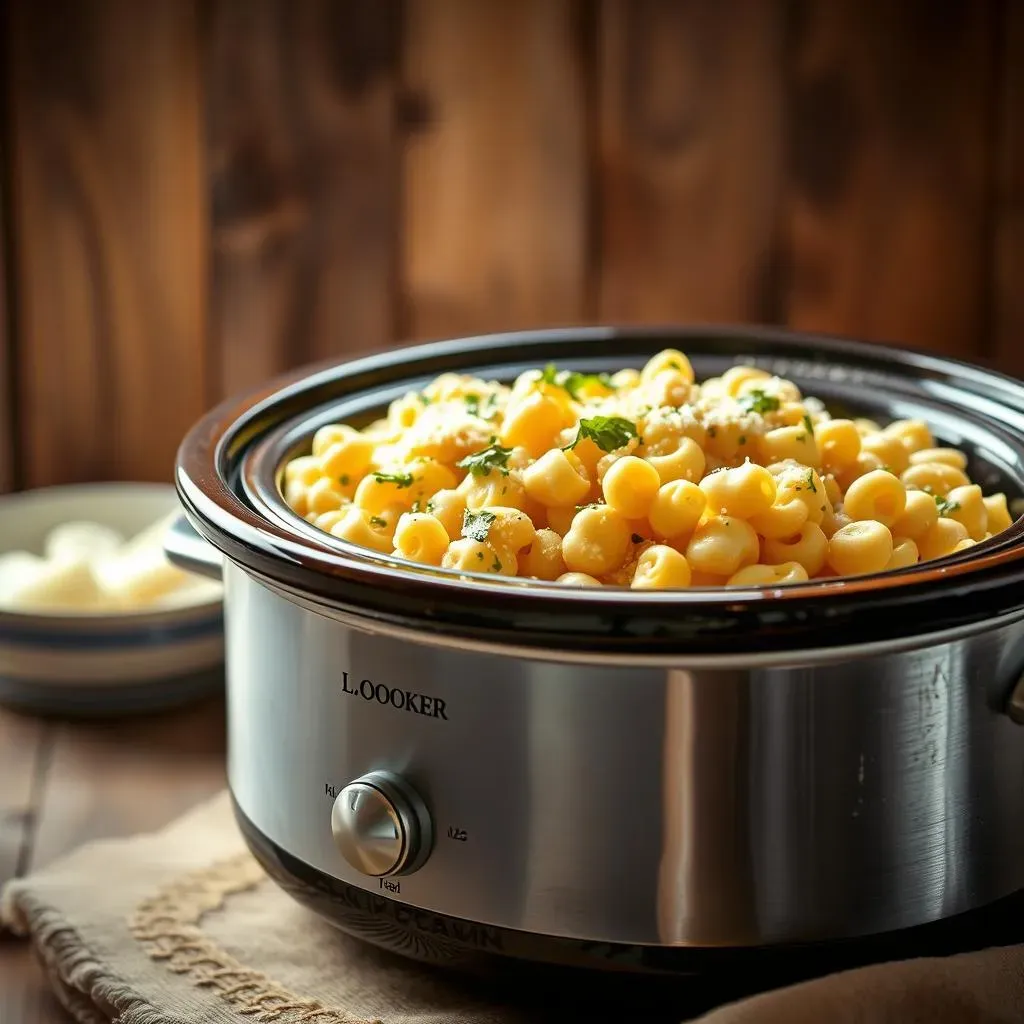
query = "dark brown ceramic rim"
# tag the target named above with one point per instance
(214, 478)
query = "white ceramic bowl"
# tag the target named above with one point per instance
(103, 663)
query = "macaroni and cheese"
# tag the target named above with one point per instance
(640, 478)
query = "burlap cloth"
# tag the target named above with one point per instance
(182, 926)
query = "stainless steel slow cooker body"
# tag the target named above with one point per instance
(446, 765)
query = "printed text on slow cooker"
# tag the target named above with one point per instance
(395, 697)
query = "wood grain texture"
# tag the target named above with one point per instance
(7, 342)
(109, 255)
(303, 164)
(1008, 212)
(885, 221)
(22, 748)
(495, 178)
(689, 158)
(120, 778)
(79, 781)
(25, 997)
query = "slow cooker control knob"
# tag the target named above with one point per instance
(381, 826)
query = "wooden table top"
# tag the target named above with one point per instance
(63, 783)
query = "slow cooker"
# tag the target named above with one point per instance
(461, 769)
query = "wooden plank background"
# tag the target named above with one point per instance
(6, 352)
(1007, 311)
(108, 257)
(885, 228)
(494, 182)
(200, 195)
(689, 159)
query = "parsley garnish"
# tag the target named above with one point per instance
(712, 431)
(575, 382)
(477, 525)
(609, 433)
(482, 462)
(344, 479)
(743, 439)
(400, 480)
(424, 399)
(758, 401)
(945, 506)
(810, 481)
(572, 381)
(378, 521)
(496, 567)
(549, 375)
(483, 406)
(674, 364)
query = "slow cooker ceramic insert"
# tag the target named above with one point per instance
(459, 769)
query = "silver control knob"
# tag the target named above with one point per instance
(381, 826)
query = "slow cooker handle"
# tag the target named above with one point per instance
(186, 549)
(1015, 702)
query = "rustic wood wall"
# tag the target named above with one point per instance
(198, 195)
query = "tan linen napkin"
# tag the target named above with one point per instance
(182, 927)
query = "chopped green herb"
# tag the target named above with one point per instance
(431, 507)
(609, 433)
(945, 506)
(496, 566)
(712, 431)
(743, 439)
(479, 556)
(400, 480)
(424, 399)
(345, 479)
(477, 525)
(637, 539)
(758, 401)
(811, 486)
(378, 521)
(573, 381)
(417, 505)
(673, 364)
(482, 462)
(483, 406)
(808, 425)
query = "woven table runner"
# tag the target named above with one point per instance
(182, 927)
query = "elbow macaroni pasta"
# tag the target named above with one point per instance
(642, 479)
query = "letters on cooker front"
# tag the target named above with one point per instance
(395, 697)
